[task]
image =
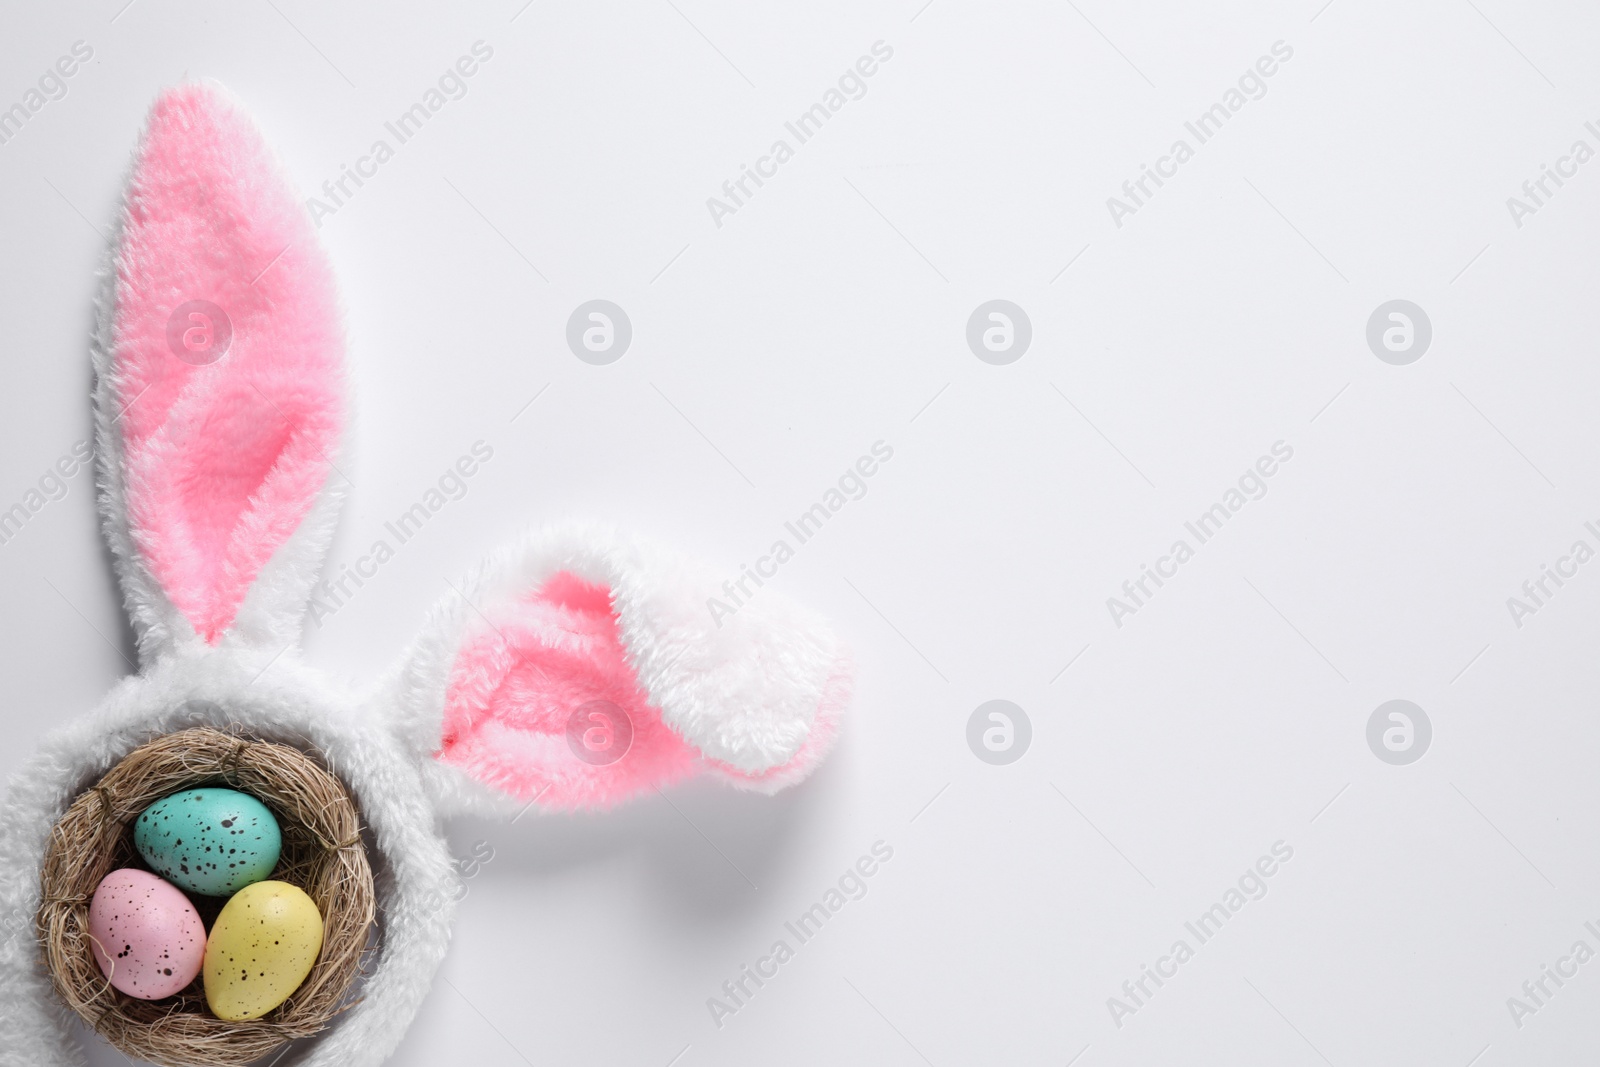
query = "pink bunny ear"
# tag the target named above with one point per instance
(581, 668)
(220, 398)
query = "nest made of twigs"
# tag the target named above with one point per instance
(322, 854)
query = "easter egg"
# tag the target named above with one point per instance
(146, 936)
(262, 947)
(209, 841)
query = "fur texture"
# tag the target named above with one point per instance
(278, 699)
(584, 612)
(218, 504)
(223, 459)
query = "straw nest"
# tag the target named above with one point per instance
(323, 854)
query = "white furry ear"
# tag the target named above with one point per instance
(580, 666)
(219, 396)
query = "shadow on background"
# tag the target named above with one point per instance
(709, 851)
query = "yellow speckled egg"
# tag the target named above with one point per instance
(261, 948)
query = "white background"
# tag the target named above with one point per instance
(1227, 314)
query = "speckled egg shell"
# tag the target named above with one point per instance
(209, 841)
(146, 935)
(262, 947)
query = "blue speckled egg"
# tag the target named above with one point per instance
(209, 841)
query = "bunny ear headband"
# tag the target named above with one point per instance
(219, 406)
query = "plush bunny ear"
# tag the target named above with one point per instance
(581, 667)
(220, 394)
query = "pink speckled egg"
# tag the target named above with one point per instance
(148, 938)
